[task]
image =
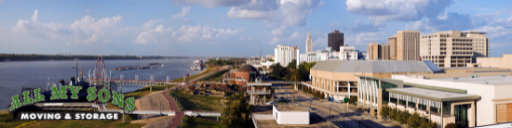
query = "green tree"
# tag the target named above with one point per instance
(394, 114)
(384, 111)
(414, 120)
(295, 76)
(450, 125)
(292, 65)
(236, 114)
(402, 119)
(427, 124)
(278, 71)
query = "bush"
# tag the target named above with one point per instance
(403, 117)
(450, 125)
(394, 114)
(427, 124)
(414, 120)
(384, 111)
(352, 100)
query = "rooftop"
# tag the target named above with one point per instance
(289, 108)
(376, 66)
(440, 96)
(486, 80)
(264, 119)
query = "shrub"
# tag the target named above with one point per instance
(384, 111)
(450, 125)
(414, 120)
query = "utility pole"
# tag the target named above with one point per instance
(122, 86)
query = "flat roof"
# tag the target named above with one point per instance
(376, 66)
(259, 84)
(434, 95)
(289, 108)
(484, 80)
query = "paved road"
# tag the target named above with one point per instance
(341, 116)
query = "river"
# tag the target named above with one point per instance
(40, 74)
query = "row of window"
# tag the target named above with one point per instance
(463, 40)
(462, 44)
(457, 48)
(468, 53)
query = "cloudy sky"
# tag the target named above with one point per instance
(234, 27)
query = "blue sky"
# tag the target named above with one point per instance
(234, 27)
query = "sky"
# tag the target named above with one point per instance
(234, 27)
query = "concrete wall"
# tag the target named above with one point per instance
(485, 106)
(291, 117)
(498, 62)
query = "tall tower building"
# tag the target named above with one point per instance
(335, 40)
(392, 47)
(408, 45)
(377, 51)
(454, 48)
(309, 44)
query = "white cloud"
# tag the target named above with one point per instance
(35, 16)
(149, 24)
(407, 10)
(289, 12)
(87, 30)
(364, 38)
(1, 1)
(183, 13)
(211, 3)
(186, 34)
(295, 12)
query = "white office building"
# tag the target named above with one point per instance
(348, 53)
(285, 54)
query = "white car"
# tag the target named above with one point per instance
(339, 101)
(271, 103)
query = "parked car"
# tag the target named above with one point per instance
(339, 101)
(271, 103)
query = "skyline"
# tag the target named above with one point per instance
(234, 28)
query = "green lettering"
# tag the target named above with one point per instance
(117, 99)
(91, 94)
(59, 94)
(130, 106)
(27, 100)
(74, 91)
(38, 96)
(15, 102)
(104, 92)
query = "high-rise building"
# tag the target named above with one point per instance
(348, 53)
(407, 45)
(335, 40)
(384, 52)
(454, 48)
(309, 44)
(392, 47)
(285, 54)
(378, 52)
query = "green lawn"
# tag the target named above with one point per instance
(6, 121)
(191, 122)
(216, 76)
(208, 70)
(198, 102)
(145, 91)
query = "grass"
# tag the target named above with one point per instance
(145, 91)
(6, 121)
(198, 102)
(216, 76)
(191, 122)
(208, 70)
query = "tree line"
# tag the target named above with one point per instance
(290, 72)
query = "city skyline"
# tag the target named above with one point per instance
(234, 28)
